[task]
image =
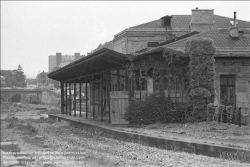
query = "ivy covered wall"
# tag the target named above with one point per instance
(201, 76)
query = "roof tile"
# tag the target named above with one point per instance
(183, 21)
(221, 39)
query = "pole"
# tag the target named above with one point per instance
(240, 117)
(62, 98)
(70, 104)
(101, 96)
(108, 94)
(75, 97)
(93, 97)
(80, 97)
(66, 93)
(86, 96)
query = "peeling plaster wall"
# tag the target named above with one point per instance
(242, 76)
(242, 85)
(134, 41)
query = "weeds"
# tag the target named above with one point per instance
(54, 111)
(31, 129)
(11, 121)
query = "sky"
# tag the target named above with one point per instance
(33, 30)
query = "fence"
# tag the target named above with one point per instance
(239, 116)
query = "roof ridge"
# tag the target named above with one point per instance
(144, 23)
(231, 18)
(191, 37)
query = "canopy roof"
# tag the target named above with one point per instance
(101, 60)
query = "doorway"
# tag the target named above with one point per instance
(227, 90)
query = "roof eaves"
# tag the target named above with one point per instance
(77, 62)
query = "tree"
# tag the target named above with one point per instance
(14, 77)
(20, 77)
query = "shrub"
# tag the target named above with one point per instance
(201, 64)
(230, 112)
(31, 129)
(201, 76)
(198, 100)
(224, 115)
(155, 108)
(218, 113)
(210, 111)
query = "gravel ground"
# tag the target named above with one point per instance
(229, 135)
(43, 135)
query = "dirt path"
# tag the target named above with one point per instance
(51, 142)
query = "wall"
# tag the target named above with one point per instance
(25, 97)
(202, 20)
(242, 73)
(50, 97)
(242, 84)
(130, 41)
(120, 45)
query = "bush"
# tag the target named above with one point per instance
(201, 76)
(198, 98)
(154, 109)
(218, 113)
(210, 111)
(31, 129)
(230, 113)
(201, 64)
(224, 115)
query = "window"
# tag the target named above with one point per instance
(227, 90)
(166, 21)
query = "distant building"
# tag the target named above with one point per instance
(59, 60)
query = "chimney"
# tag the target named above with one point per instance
(77, 56)
(58, 59)
(202, 20)
(166, 21)
(234, 30)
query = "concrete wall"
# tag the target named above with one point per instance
(50, 97)
(25, 97)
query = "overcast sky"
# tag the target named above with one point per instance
(31, 31)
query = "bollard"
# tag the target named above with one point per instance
(240, 117)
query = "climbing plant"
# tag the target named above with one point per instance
(158, 62)
(201, 76)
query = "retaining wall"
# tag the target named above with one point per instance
(230, 153)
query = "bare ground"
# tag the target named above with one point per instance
(37, 136)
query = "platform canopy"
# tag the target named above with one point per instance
(96, 62)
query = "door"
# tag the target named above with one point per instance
(118, 106)
(227, 90)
